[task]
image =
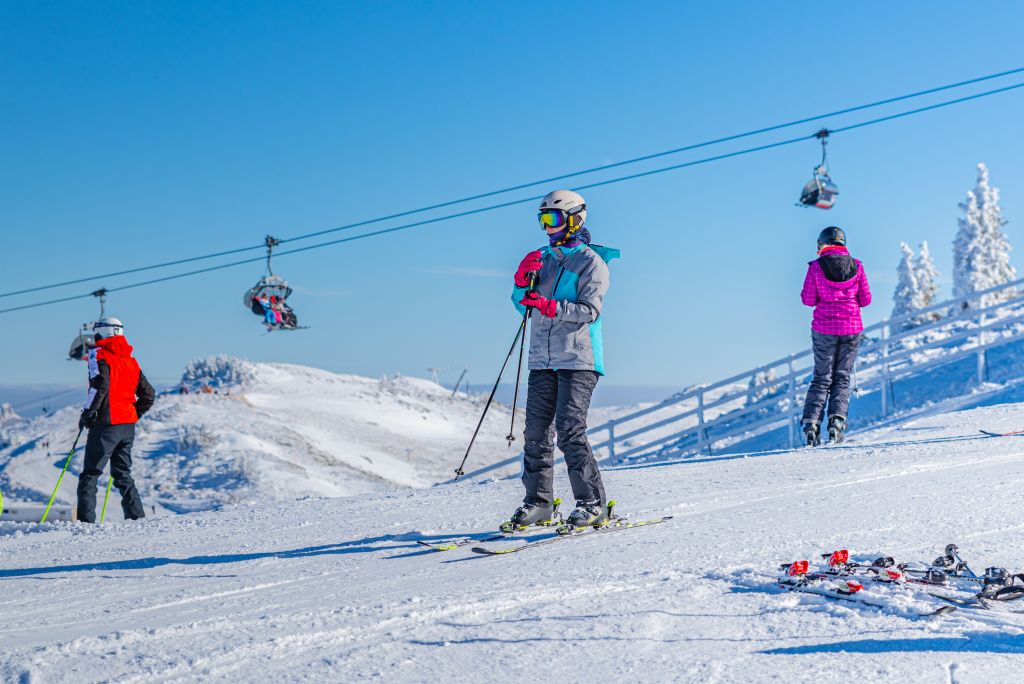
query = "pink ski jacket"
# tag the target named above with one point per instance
(836, 305)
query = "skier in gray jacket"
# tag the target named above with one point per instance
(566, 359)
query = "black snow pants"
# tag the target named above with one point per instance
(558, 401)
(834, 358)
(113, 443)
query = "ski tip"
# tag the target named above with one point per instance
(943, 610)
(437, 546)
(493, 552)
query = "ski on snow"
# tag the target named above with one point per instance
(507, 530)
(614, 526)
(459, 542)
(852, 592)
(455, 543)
(1014, 433)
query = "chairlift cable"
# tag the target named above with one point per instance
(928, 108)
(29, 402)
(655, 155)
(129, 271)
(502, 205)
(604, 167)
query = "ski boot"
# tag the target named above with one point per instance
(587, 515)
(529, 515)
(836, 427)
(811, 433)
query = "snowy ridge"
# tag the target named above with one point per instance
(337, 589)
(271, 431)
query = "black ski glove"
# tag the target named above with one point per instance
(88, 419)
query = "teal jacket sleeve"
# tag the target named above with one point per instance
(517, 296)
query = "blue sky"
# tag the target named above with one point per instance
(139, 132)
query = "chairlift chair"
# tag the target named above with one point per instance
(85, 340)
(271, 291)
(820, 191)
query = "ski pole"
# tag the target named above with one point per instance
(103, 512)
(63, 470)
(519, 369)
(459, 471)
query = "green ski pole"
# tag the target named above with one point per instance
(63, 470)
(103, 512)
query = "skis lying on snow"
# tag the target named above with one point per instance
(848, 590)
(838, 583)
(841, 580)
(568, 532)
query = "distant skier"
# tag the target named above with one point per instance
(566, 359)
(119, 395)
(837, 287)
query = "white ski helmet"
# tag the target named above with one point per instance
(572, 203)
(107, 327)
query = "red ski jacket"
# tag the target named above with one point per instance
(119, 392)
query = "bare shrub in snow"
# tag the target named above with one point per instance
(192, 438)
(218, 372)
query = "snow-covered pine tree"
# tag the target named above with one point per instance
(762, 386)
(981, 251)
(906, 299)
(927, 282)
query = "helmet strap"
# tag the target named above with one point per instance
(572, 225)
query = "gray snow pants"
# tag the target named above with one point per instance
(834, 358)
(558, 401)
(112, 442)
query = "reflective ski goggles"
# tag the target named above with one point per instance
(552, 218)
(557, 218)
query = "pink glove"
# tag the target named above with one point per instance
(547, 307)
(531, 263)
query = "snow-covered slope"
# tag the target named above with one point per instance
(272, 431)
(337, 589)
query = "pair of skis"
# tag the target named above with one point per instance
(841, 581)
(615, 525)
(508, 530)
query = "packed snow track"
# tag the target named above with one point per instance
(339, 590)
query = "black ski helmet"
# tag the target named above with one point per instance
(833, 235)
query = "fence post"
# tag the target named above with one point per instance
(611, 443)
(981, 346)
(793, 405)
(885, 371)
(702, 434)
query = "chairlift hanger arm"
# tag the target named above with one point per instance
(271, 242)
(101, 294)
(822, 135)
